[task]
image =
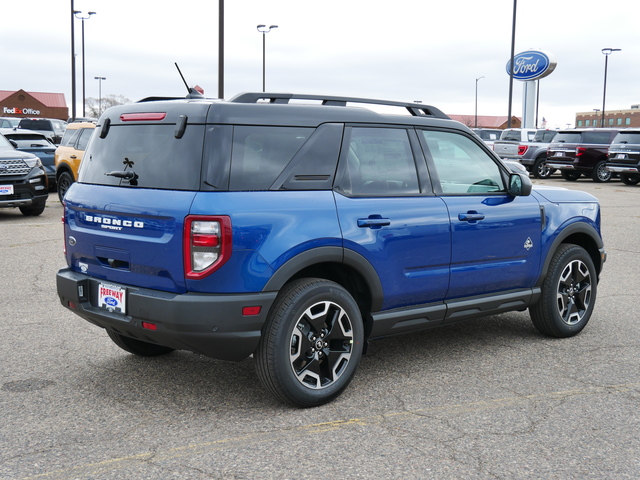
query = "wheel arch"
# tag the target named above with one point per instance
(345, 267)
(62, 168)
(583, 235)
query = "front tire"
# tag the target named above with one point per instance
(33, 210)
(138, 347)
(568, 293)
(311, 343)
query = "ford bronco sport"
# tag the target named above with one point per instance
(296, 232)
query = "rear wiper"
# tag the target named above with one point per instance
(122, 174)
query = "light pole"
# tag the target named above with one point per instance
(263, 29)
(606, 52)
(78, 15)
(100, 94)
(476, 122)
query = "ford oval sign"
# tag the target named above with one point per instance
(532, 65)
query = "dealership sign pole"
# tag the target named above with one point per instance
(529, 67)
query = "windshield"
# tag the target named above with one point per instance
(5, 144)
(145, 156)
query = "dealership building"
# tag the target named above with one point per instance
(23, 104)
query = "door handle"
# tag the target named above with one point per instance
(471, 216)
(374, 221)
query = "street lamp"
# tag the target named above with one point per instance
(263, 29)
(476, 122)
(78, 15)
(100, 94)
(606, 52)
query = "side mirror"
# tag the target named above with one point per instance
(519, 185)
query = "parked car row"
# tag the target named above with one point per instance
(598, 153)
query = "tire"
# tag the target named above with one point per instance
(64, 182)
(600, 173)
(311, 343)
(630, 179)
(570, 175)
(138, 347)
(568, 293)
(540, 168)
(33, 210)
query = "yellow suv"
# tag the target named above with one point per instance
(69, 154)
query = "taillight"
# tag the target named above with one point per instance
(522, 149)
(580, 151)
(207, 244)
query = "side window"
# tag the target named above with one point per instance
(461, 165)
(379, 161)
(84, 138)
(259, 154)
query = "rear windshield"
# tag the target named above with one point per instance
(596, 137)
(567, 137)
(36, 124)
(512, 135)
(630, 137)
(30, 140)
(145, 156)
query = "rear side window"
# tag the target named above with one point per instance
(69, 137)
(260, 154)
(596, 137)
(145, 156)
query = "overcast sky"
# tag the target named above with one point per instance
(404, 50)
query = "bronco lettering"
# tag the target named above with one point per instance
(113, 221)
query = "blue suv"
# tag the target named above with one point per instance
(295, 228)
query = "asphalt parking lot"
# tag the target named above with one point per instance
(491, 398)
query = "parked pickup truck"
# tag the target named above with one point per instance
(527, 146)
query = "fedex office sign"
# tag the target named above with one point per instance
(532, 65)
(20, 111)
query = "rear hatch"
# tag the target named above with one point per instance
(624, 151)
(563, 149)
(138, 178)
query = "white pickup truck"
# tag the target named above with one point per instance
(527, 146)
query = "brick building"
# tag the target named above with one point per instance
(487, 121)
(612, 118)
(33, 105)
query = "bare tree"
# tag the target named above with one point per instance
(95, 106)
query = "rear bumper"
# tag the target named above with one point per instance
(212, 325)
(623, 169)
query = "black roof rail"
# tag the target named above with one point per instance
(415, 109)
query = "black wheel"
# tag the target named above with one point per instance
(138, 347)
(570, 175)
(540, 168)
(600, 173)
(33, 210)
(568, 293)
(630, 179)
(311, 344)
(64, 182)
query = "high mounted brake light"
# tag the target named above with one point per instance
(143, 117)
(207, 244)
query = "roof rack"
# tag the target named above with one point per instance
(414, 109)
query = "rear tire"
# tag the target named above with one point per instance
(138, 347)
(628, 179)
(64, 182)
(568, 293)
(540, 168)
(570, 175)
(311, 343)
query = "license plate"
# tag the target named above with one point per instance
(6, 189)
(621, 156)
(112, 298)
(559, 154)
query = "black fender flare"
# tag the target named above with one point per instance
(329, 255)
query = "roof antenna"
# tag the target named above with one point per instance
(193, 91)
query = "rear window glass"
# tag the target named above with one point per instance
(30, 140)
(631, 137)
(145, 156)
(512, 135)
(567, 137)
(36, 124)
(260, 154)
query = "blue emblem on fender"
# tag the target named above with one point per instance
(531, 65)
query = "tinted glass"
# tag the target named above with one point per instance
(596, 137)
(85, 135)
(379, 161)
(260, 154)
(630, 137)
(462, 166)
(30, 140)
(512, 135)
(567, 137)
(156, 158)
(35, 124)
(545, 136)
